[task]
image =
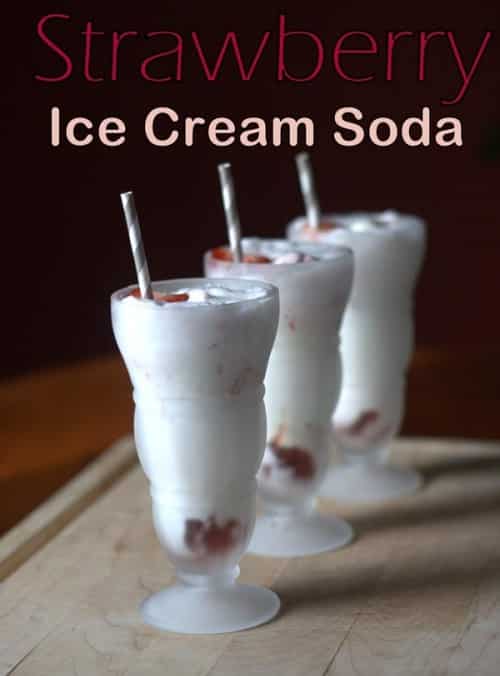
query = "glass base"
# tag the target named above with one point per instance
(369, 483)
(311, 533)
(190, 609)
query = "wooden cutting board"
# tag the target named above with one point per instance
(417, 593)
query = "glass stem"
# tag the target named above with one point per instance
(222, 578)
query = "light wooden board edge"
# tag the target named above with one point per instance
(47, 520)
(460, 445)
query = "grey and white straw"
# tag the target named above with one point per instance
(307, 187)
(230, 210)
(138, 253)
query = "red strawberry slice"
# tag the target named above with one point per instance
(210, 537)
(256, 258)
(299, 460)
(171, 297)
(163, 297)
(326, 225)
(222, 253)
(362, 422)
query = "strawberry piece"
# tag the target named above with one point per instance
(221, 538)
(363, 422)
(256, 258)
(163, 297)
(299, 460)
(171, 297)
(222, 253)
(210, 537)
(326, 225)
(323, 226)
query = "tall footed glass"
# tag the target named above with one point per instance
(197, 356)
(377, 341)
(302, 386)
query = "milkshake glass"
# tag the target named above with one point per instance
(302, 386)
(377, 341)
(196, 357)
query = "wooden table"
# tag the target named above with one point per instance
(55, 421)
(418, 592)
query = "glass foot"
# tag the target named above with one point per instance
(369, 483)
(300, 535)
(209, 610)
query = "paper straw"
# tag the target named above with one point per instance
(306, 179)
(230, 210)
(138, 253)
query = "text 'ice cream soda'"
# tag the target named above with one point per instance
(377, 341)
(197, 354)
(302, 386)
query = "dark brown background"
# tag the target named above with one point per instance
(65, 245)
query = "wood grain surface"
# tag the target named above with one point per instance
(418, 592)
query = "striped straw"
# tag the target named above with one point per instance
(306, 179)
(138, 253)
(230, 210)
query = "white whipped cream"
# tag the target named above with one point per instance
(209, 294)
